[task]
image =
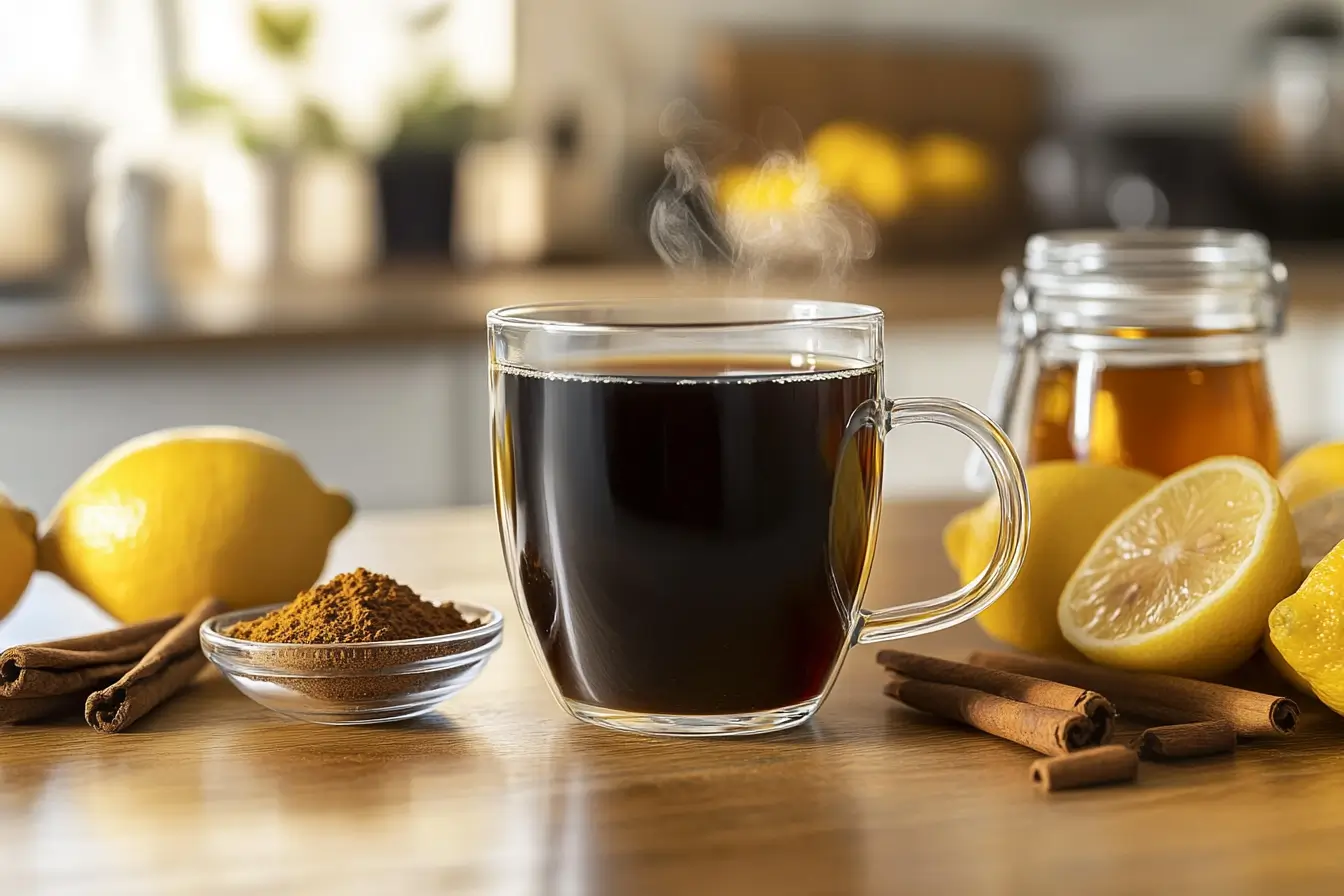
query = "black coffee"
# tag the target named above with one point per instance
(673, 521)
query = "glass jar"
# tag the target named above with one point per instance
(1142, 349)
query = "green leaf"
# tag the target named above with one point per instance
(196, 99)
(318, 128)
(252, 138)
(427, 18)
(283, 31)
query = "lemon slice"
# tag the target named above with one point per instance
(1320, 526)
(1182, 581)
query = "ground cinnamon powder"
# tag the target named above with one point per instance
(354, 607)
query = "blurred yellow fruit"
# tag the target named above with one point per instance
(178, 515)
(1071, 503)
(733, 184)
(1308, 630)
(1312, 473)
(771, 188)
(881, 183)
(948, 166)
(864, 164)
(778, 190)
(839, 149)
(1183, 580)
(18, 552)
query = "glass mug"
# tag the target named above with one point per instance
(688, 496)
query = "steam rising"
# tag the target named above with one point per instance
(818, 232)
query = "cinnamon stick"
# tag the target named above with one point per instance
(1186, 741)
(167, 668)
(1023, 688)
(1040, 728)
(1163, 698)
(77, 665)
(1086, 768)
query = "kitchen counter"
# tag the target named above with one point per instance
(498, 792)
(415, 305)
(404, 353)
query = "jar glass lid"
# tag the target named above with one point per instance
(1139, 253)
(1188, 279)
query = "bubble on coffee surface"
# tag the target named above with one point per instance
(772, 216)
(728, 377)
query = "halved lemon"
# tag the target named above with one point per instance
(1182, 581)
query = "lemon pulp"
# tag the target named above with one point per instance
(1183, 581)
(1164, 563)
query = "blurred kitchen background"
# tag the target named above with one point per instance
(294, 216)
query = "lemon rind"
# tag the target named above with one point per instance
(211, 433)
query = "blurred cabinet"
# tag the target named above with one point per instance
(407, 425)
(397, 425)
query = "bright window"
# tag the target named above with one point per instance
(108, 61)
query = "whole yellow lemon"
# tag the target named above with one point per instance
(1071, 503)
(1312, 473)
(1281, 666)
(18, 552)
(178, 515)
(1307, 630)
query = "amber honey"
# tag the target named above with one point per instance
(1159, 418)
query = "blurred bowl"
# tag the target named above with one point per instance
(353, 684)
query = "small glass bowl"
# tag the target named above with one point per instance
(353, 684)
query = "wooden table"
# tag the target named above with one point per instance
(501, 793)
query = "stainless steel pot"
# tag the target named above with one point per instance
(1293, 114)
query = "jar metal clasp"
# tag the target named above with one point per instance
(1278, 275)
(1018, 331)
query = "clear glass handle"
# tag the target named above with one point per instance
(1014, 522)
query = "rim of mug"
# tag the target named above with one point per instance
(543, 315)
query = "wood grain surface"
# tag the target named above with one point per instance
(499, 792)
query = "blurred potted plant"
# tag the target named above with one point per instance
(417, 174)
(296, 194)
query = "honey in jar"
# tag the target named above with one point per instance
(1142, 349)
(1159, 419)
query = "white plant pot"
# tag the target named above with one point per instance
(244, 195)
(500, 206)
(333, 216)
(32, 232)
